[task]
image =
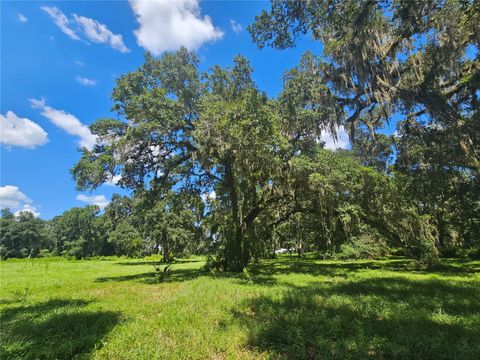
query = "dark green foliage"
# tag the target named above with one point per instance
(175, 134)
(176, 140)
(415, 61)
(368, 246)
(163, 275)
(171, 223)
(79, 233)
(377, 153)
(23, 235)
(126, 240)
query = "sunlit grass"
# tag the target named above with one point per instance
(286, 308)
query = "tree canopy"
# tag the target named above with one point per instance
(214, 165)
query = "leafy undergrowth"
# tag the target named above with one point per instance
(281, 309)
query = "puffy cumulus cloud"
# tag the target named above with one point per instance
(236, 27)
(67, 122)
(86, 81)
(113, 180)
(89, 28)
(100, 200)
(22, 18)
(341, 141)
(28, 208)
(168, 25)
(61, 20)
(11, 197)
(208, 196)
(17, 131)
(99, 33)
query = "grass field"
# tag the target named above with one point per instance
(285, 308)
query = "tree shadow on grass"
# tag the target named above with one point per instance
(265, 272)
(157, 262)
(261, 273)
(377, 318)
(155, 277)
(56, 329)
(284, 266)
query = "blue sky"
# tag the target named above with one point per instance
(59, 61)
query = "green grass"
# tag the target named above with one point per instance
(286, 308)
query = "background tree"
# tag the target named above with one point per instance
(126, 239)
(78, 232)
(169, 223)
(417, 61)
(23, 235)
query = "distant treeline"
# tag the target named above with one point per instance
(124, 229)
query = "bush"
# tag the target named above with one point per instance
(11, 253)
(3, 252)
(367, 246)
(44, 253)
(214, 263)
(23, 253)
(470, 253)
(168, 259)
(421, 241)
(126, 240)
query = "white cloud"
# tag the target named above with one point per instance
(341, 141)
(28, 208)
(169, 25)
(67, 122)
(236, 27)
(86, 81)
(17, 131)
(99, 33)
(61, 20)
(89, 28)
(113, 181)
(208, 196)
(100, 200)
(79, 63)
(22, 18)
(11, 197)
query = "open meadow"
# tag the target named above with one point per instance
(286, 308)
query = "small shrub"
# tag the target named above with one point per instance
(214, 263)
(169, 259)
(421, 242)
(367, 246)
(247, 276)
(470, 253)
(11, 253)
(163, 275)
(23, 253)
(3, 252)
(44, 253)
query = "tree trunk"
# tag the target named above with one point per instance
(165, 248)
(248, 241)
(233, 248)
